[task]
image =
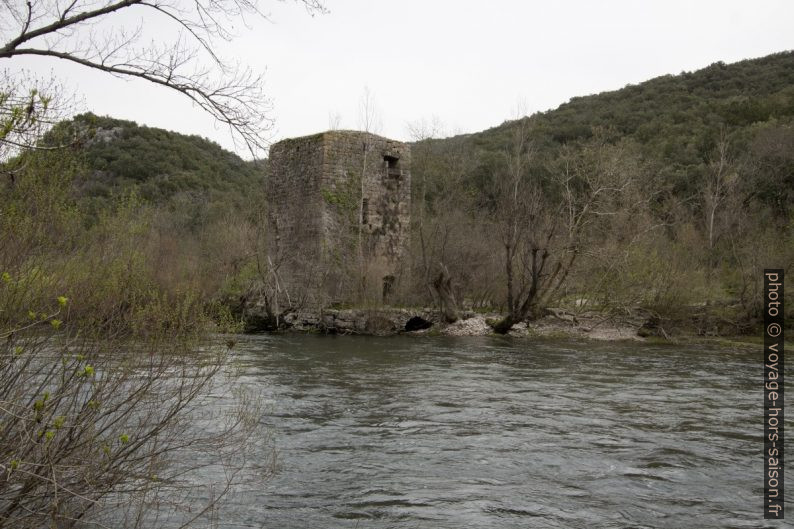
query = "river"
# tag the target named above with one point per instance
(487, 432)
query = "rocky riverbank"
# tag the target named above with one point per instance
(391, 321)
(552, 325)
(637, 324)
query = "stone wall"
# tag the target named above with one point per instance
(330, 194)
(294, 200)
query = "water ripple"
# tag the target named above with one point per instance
(481, 432)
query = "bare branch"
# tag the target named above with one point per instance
(230, 94)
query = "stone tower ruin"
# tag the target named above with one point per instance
(340, 205)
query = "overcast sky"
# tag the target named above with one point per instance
(465, 63)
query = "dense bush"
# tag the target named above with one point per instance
(105, 367)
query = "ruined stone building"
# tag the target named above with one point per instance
(339, 215)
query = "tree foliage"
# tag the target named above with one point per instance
(163, 168)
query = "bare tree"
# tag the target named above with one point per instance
(101, 432)
(369, 118)
(87, 33)
(334, 121)
(438, 283)
(542, 225)
(369, 121)
(518, 203)
(717, 192)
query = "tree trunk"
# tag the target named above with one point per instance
(443, 287)
(504, 325)
(511, 305)
(528, 306)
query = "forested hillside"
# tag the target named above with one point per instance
(128, 216)
(670, 194)
(676, 120)
(160, 167)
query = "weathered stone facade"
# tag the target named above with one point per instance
(340, 212)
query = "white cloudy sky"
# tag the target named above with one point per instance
(466, 63)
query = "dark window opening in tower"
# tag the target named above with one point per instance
(392, 166)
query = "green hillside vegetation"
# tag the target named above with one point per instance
(675, 120)
(163, 168)
(709, 154)
(126, 218)
(669, 196)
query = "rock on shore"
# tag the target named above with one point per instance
(374, 322)
(473, 326)
(390, 321)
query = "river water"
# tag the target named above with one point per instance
(486, 432)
